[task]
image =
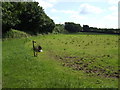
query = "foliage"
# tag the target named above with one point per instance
(15, 34)
(9, 16)
(86, 28)
(59, 28)
(72, 27)
(26, 16)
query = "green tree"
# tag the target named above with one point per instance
(72, 27)
(33, 19)
(9, 16)
(26, 16)
(59, 28)
(86, 28)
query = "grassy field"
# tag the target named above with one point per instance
(67, 61)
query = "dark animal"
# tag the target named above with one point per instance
(36, 48)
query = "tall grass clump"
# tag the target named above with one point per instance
(15, 34)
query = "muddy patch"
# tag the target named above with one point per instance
(87, 64)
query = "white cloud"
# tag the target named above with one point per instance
(53, 1)
(89, 9)
(113, 1)
(108, 1)
(63, 11)
(72, 16)
(55, 18)
(113, 8)
(68, 11)
(112, 17)
(57, 1)
(79, 0)
(78, 17)
(54, 10)
(44, 4)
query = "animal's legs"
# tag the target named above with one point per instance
(36, 53)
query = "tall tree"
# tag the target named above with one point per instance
(72, 27)
(86, 28)
(9, 16)
(26, 16)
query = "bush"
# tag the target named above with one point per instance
(15, 34)
(59, 28)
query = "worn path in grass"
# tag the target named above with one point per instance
(67, 61)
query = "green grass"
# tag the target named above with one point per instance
(15, 34)
(67, 61)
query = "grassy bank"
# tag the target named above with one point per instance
(67, 61)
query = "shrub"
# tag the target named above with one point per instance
(59, 28)
(15, 34)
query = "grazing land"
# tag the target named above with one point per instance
(67, 61)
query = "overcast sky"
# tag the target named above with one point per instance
(95, 13)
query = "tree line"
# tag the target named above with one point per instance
(73, 27)
(25, 16)
(86, 28)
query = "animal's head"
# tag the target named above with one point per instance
(34, 41)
